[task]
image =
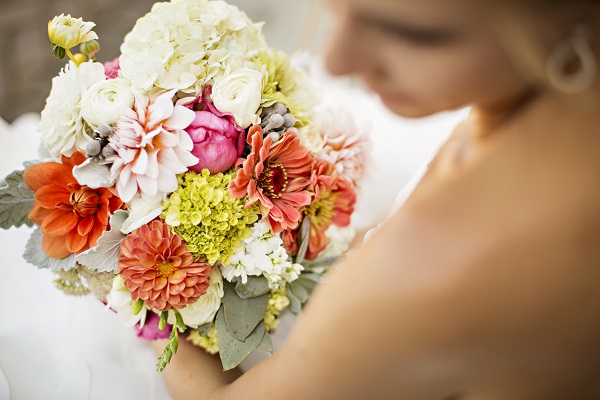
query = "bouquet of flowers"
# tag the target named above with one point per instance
(191, 184)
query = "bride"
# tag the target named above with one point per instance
(484, 284)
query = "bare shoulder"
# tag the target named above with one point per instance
(433, 299)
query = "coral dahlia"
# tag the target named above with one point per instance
(157, 268)
(275, 175)
(72, 216)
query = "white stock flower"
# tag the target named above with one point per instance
(68, 32)
(263, 254)
(239, 94)
(119, 299)
(62, 126)
(184, 44)
(205, 308)
(105, 101)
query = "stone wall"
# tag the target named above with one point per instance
(27, 67)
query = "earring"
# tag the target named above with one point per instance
(574, 49)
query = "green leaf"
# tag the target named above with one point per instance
(136, 306)
(169, 351)
(162, 323)
(204, 329)
(242, 316)
(266, 344)
(254, 287)
(295, 303)
(231, 350)
(299, 291)
(33, 254)
(303, 240)
(16, 201)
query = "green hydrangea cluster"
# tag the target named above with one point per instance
(212, 222)
(278, 301)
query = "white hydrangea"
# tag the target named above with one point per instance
(62, 126)
(263, 254)
(183, 44)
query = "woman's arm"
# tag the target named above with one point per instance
(367, 332)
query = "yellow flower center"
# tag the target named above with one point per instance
(321, 211)
(165, 269)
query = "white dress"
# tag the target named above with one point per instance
(54, 346)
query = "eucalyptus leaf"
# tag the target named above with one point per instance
(204, 329)
(242, 316)
(295, 303)
(231, 350)
(16, 201)
(266, 344)
(303, 240)
(254, 287)
(34, 255)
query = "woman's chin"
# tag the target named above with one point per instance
(406, 107)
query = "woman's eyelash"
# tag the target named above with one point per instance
(421, 37)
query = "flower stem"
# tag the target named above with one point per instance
(72, 57)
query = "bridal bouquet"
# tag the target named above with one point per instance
(191, 184)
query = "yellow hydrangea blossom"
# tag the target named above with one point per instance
(282, 83)
(212, 222)
(277, 302)
(210, 342)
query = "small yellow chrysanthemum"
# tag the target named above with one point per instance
(212, 222)
(277, 302)
(282, 83)
(210, 342)
(67, 32)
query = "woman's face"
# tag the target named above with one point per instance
(424, 56)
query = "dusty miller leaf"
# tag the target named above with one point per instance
(303, 240)
(242, 316)
(231, 350)
(16, 200)
(104, 257)
(204, 329)
(34, 255)
(254, 287)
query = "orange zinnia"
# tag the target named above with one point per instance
(72, 217)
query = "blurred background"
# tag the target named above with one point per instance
(27, 66)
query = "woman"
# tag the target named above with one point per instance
(484, 284)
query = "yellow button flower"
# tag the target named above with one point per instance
(67, 32)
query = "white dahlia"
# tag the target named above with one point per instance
(151, 147)
(63, 128)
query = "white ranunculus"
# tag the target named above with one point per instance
(68, 32)
(119, 299)
(205, 308)
(239, 94)
(104, 101)
(62, 126)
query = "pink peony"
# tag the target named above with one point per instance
(150, 329)
(218, 141)
(111, 69)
